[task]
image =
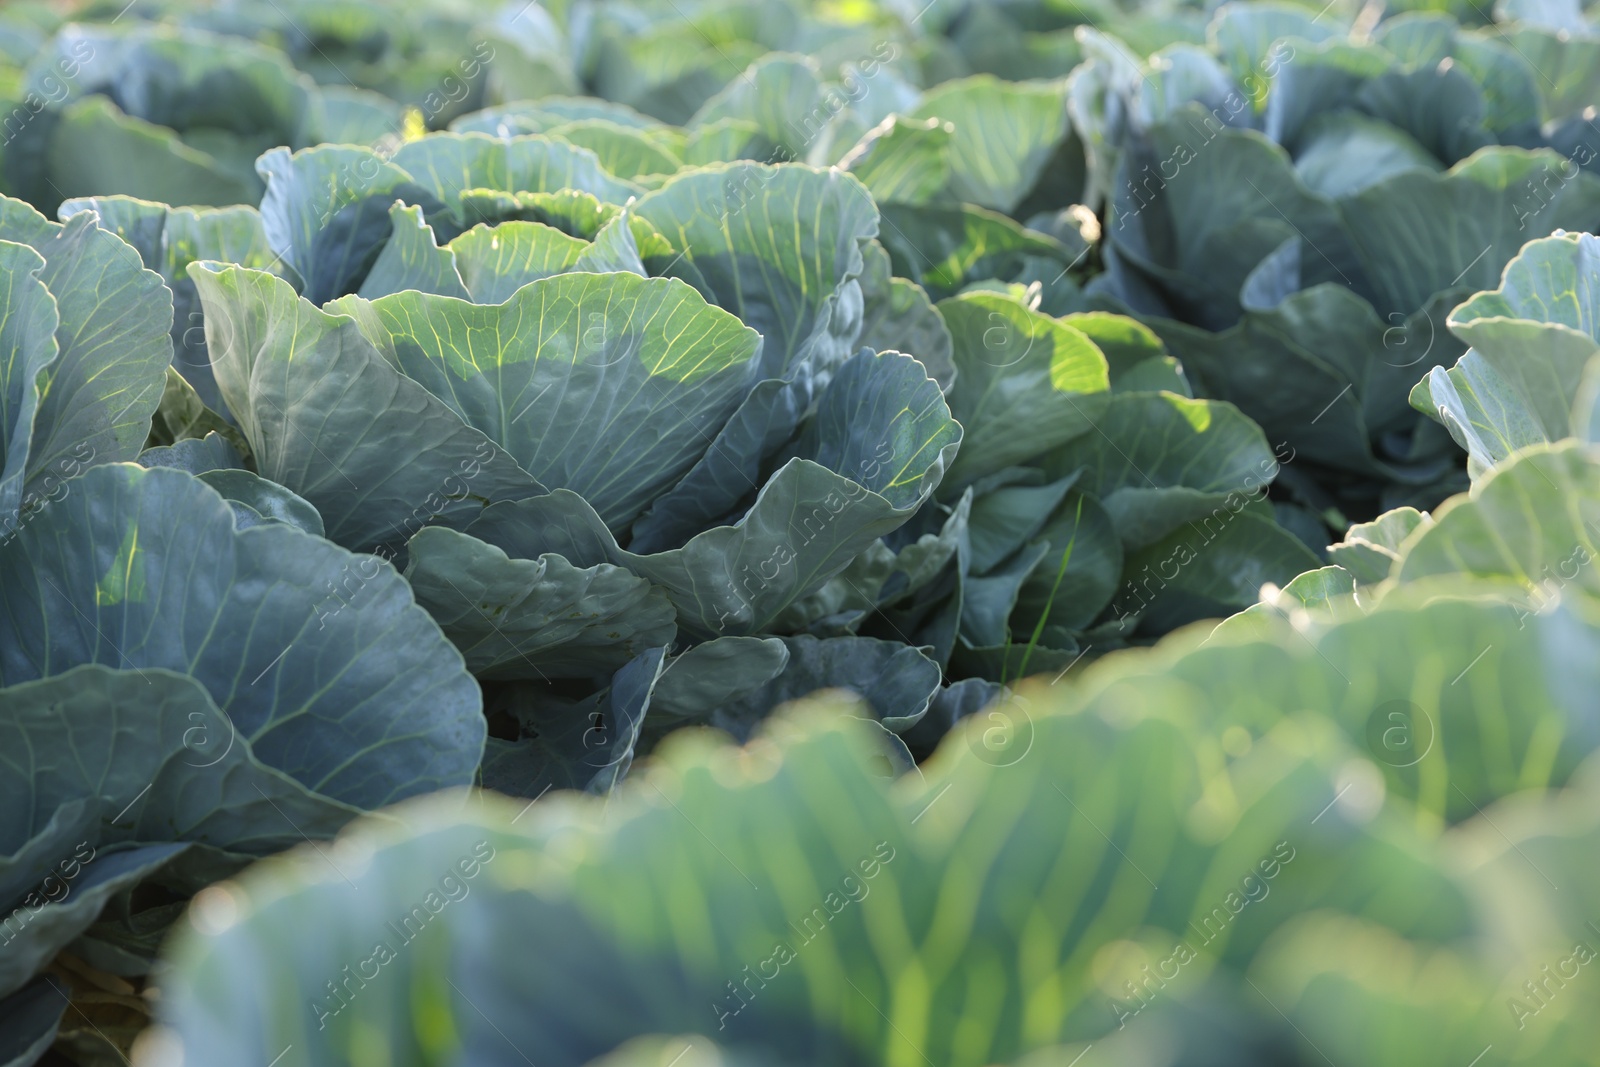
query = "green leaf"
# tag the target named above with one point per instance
(112, 566)
(149, 758)
(1568, 66)
(48, 928)
(623, 151)
(1532, 339)
(784, 96)
(726, 141)
(1323, 590)
(27, 346)
(1310, 81)
(255, 501)
(1369, 549)
(571, 211)
(790, 281)
(670, 75)
(1025, 383)
(113, 337)
(894, 680)
(343, 114)
(605, 384)
(1239, 200)
(1532, 520)
(1440, 107)
(150, 749)
(544, 115)
(1417, 234)
(96, 150)
(1125, 342)
(897, 316)
(326, 213)
(1074, 598)
(881, 440)
(534, 618)
(187, 79)
(1244, 34)
(1349, 373)
(195, 455)
(412, 259)
(168, 239)
(183, 416)
(1005, 134)
(942, 248)
(751, 855)
(1157, 460)
(329, 418)
(881, 576)
(32, 1017)
(1344, 152)
(449, 164)
(619, 245)
(1209, 567)
(903, 160)
(1008, 517)
(588, 745)
(496, 261)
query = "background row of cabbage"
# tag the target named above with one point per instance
(494, 456)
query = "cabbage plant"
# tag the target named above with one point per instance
(1296, 212)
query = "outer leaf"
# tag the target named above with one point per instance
(27, 346)
(32, 1016)
(1005, 133)
(255, 500)
(168, 239)
(903, 160)
(45, 928)
(1369, 549)
(497, 261)
(625, 152)
(326, 416)
(588, 745)
(113, 337)
(1349, 373)
(1416, 232)
(897, 316)
(1535, 520)
(896, 682)
(448, 164)
(789, 281)
(759, 849)
(1090, 581)
(163, 764)
(606, 384)
(881, 440)
(97, 150)
(1211, 567)
(326, 212)
(1532, 339)
(1156, 460)
(1025, 383)
(317, 656)
(943, 248)
(1454, 700)
(704, 678)
(534, 618)
(412, 259)
(784, 96)
(1195, 238)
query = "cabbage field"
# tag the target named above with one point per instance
(772, 533)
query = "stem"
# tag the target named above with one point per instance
(1061, 572)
